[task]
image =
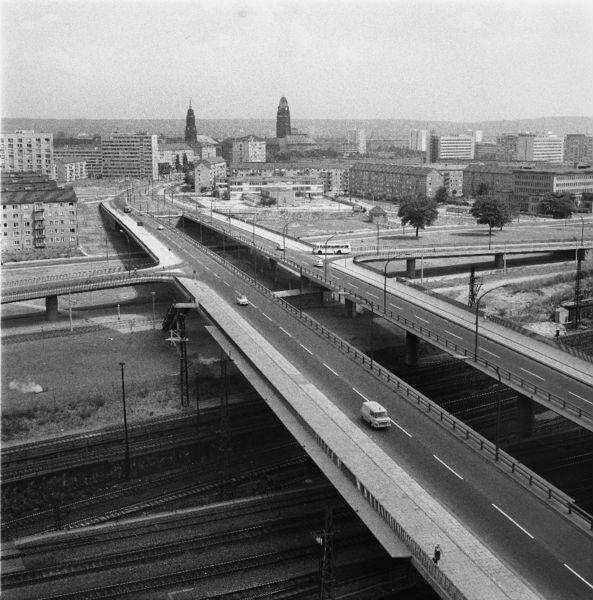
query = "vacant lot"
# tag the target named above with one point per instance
(80, 378)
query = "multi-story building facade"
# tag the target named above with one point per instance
(529, 184)
(245, 149)
(70, 169)
(493, 178)
(452, 175)
(133, 155)
(307, 186)
(90, 155)
(393, 182)
(208, 171)
(37, 214)
(26, 150)
(361, 141)
(486, 151)
(578, 148)
(455, 147)
(506, 144)
(419, 139)
(539, 148)
(170, 152)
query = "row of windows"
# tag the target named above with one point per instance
(51, 240)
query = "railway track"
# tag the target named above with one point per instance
(284, 458)
(188, 576)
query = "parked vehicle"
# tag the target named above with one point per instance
(127, 209)
(319, 262)
(242, 300)
(374, 414)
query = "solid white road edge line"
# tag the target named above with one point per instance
(512, 521)
(579, 576)
(448, 467)
(330, 369)
(401, 428)
(580, 397)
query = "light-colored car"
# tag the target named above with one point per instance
(319, 262)
(375, 414)
(160, 227)
(242, 300)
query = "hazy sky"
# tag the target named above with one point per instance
(464, 60)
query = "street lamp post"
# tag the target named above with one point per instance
(153, 294)
(325, 253)
(477, 306)
(123, 399)
(498, 403)
(377, 224)
(385, 282)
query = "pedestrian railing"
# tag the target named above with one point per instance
(506, 463)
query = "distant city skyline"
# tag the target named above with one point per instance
(378, 59)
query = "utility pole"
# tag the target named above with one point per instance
(326, 563)
(473, 286)
(577, 290)
(183, 375)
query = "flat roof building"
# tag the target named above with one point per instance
(133, 155)
(540, 148)
(91, 155)
(26, 150)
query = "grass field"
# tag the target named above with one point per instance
(81, 379)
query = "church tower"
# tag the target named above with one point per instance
(190, 126)
(283, 119)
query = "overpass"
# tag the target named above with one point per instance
(519, 525)
(430, 479)
(538, 369)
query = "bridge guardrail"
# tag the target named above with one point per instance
(563, 403)
(506, 463)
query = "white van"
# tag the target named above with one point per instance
(374, 414)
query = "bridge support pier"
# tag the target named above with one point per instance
(412, 342)
(411, 267)
(350, 308)
(525, 414)
(499, 260)
(51, 308)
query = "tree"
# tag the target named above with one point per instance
(491, 211)
(419, 212)
(441, 196)
(177, 163)
(164, 168)
(558, 206)
(190, 179)
(482, 189)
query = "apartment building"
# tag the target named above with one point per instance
(37, 214)
(531, 183)
(244, 149)
(70, 169)
(452, 175)
(170, 152)
(27, 151)
(90, 155)
(539, 148)
(208, 171)
(419, 139)
(455, 147)
(494, 178)
(130, 155)
(393, 182)
(578, 148)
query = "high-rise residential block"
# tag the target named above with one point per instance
(419, 139)
(361, 141)
(578, 148)
(90, 155)
(26, 150)
(540, 148)
(455, 147)
(130, 155)
(283, 119)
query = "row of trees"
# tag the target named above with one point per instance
(420, 212)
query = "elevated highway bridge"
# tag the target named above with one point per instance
(429, 480)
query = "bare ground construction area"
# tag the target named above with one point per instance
(56, 381)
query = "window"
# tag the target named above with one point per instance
(16, 242)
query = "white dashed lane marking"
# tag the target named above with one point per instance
(448, 467)
(512, 521)
(330, 369)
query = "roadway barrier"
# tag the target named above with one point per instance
(506, 463)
